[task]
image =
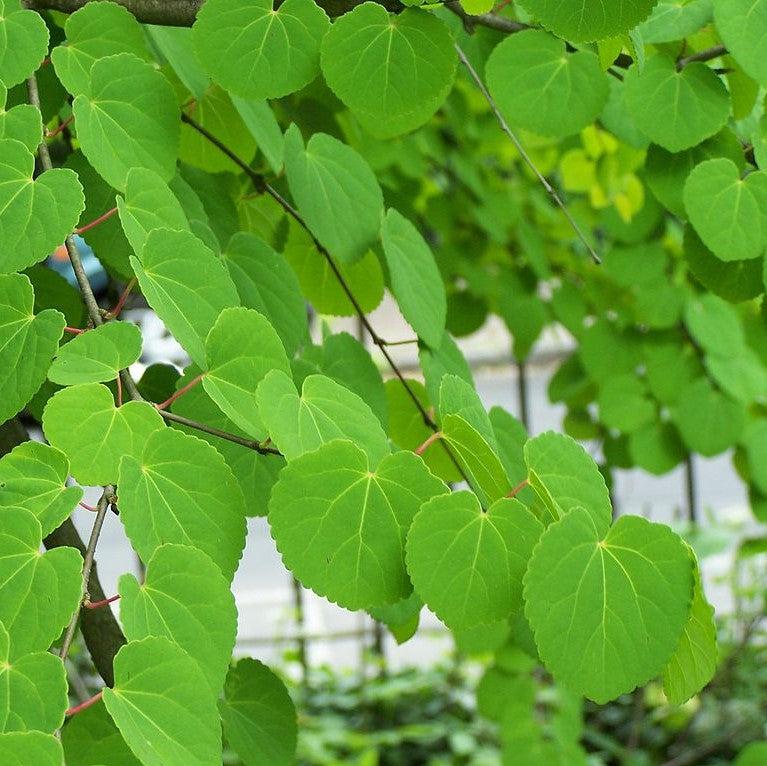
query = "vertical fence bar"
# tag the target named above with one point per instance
(301, 643)
(691, 488)
(522, 397)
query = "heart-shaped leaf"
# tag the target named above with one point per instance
(185, 598)
(127, 118)
(742, 25)
(180, 490)
(186, 284)
(35, 217)
(542, 88)
(468, 564)
(22, 748)
(281, 46)
(676, 109)
(98, 355)
(162, 705)
(33, 690)
(728, 211)
(33, 476)
(258, 715)
(27, 343)
(340, 524)
(393, 72)
(324, 411)
(23, 42)
(21, 122)
(93, 32)
(92, 737)
(415, 279)
(83, 422)
(38, 593)
(241, 348)
(607, 605)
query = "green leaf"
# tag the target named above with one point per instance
(263, 126)
(175, 45)
(162, 705)
(186, 284)
(127, 118)
(693, 664)
(265, 282)
(742, 25)
(565, 477)
(714, 325)
(540, 87)
(21, 122)
(588, 20)
(401, 617)
(22, 748)
(149, 204)
(27, 343)
(258, 715)
(186, 599)
(83, 422)
(52, 291)
(34, 476)
(656, 448)
(340, 523)
(35, 217)
(336, 192)
(23, 42)
(752, 754)
(607, 604)
(708, 421)
(457, 397)
(672, 21)
(281, 47)
(33, 690)
(91, 737)
(393, 72)
(624, 404)
(741, 374)
(95, 31)
(415, 279)
(467, 564)
(39, 593)
(97, 355)
(241, 349)
(477, 458)
(676, 109)
(727, 211)
(180, 490)
(445, 359)
(324, 411)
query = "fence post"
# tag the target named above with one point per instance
(301, 644)
(690, 485)
(522, 401)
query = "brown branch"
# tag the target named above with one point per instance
(182, 13)
(490, 20)
(710, 53)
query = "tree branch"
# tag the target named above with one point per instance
(490, 20)
(710, 53)
(182, 13)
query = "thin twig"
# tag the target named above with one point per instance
(523, 153)
(509, 26)
(710, 53)
(93, 224)
(115, 312)
(61, 126)
(90, 551)
(181, 391)
(83, 705)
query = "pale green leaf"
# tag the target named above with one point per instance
(624, 404)
(127, 118)
(415, 279)
(263, 126)
(186, 284)
(35, 217)
(83, 422)
(258, 715)
(97, 355)
(726, 210)
(163, 707)
(607, 604)
(676, 19)
(656, 448)
(180, 490)
(21, 122)
(257, 51)
(324, 411)
(241, 349)
(91, 737)
(336, 192)
(185, 598)
(542, 88)
(714, 325)
(564, 477)
(392, 71)
(676, 109)
(23, 42)
(457, 397)
(27, 343)
(93, 32)
(467, 564)
(743, 27)
(340, 523)
(33, 476)
(39, 593)
(33, 690)
(21, 748)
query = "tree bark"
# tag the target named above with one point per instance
(101, 631)
(182, 13)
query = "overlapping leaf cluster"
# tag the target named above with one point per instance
(268, 159)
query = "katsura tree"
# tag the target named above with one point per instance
(235, 163)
